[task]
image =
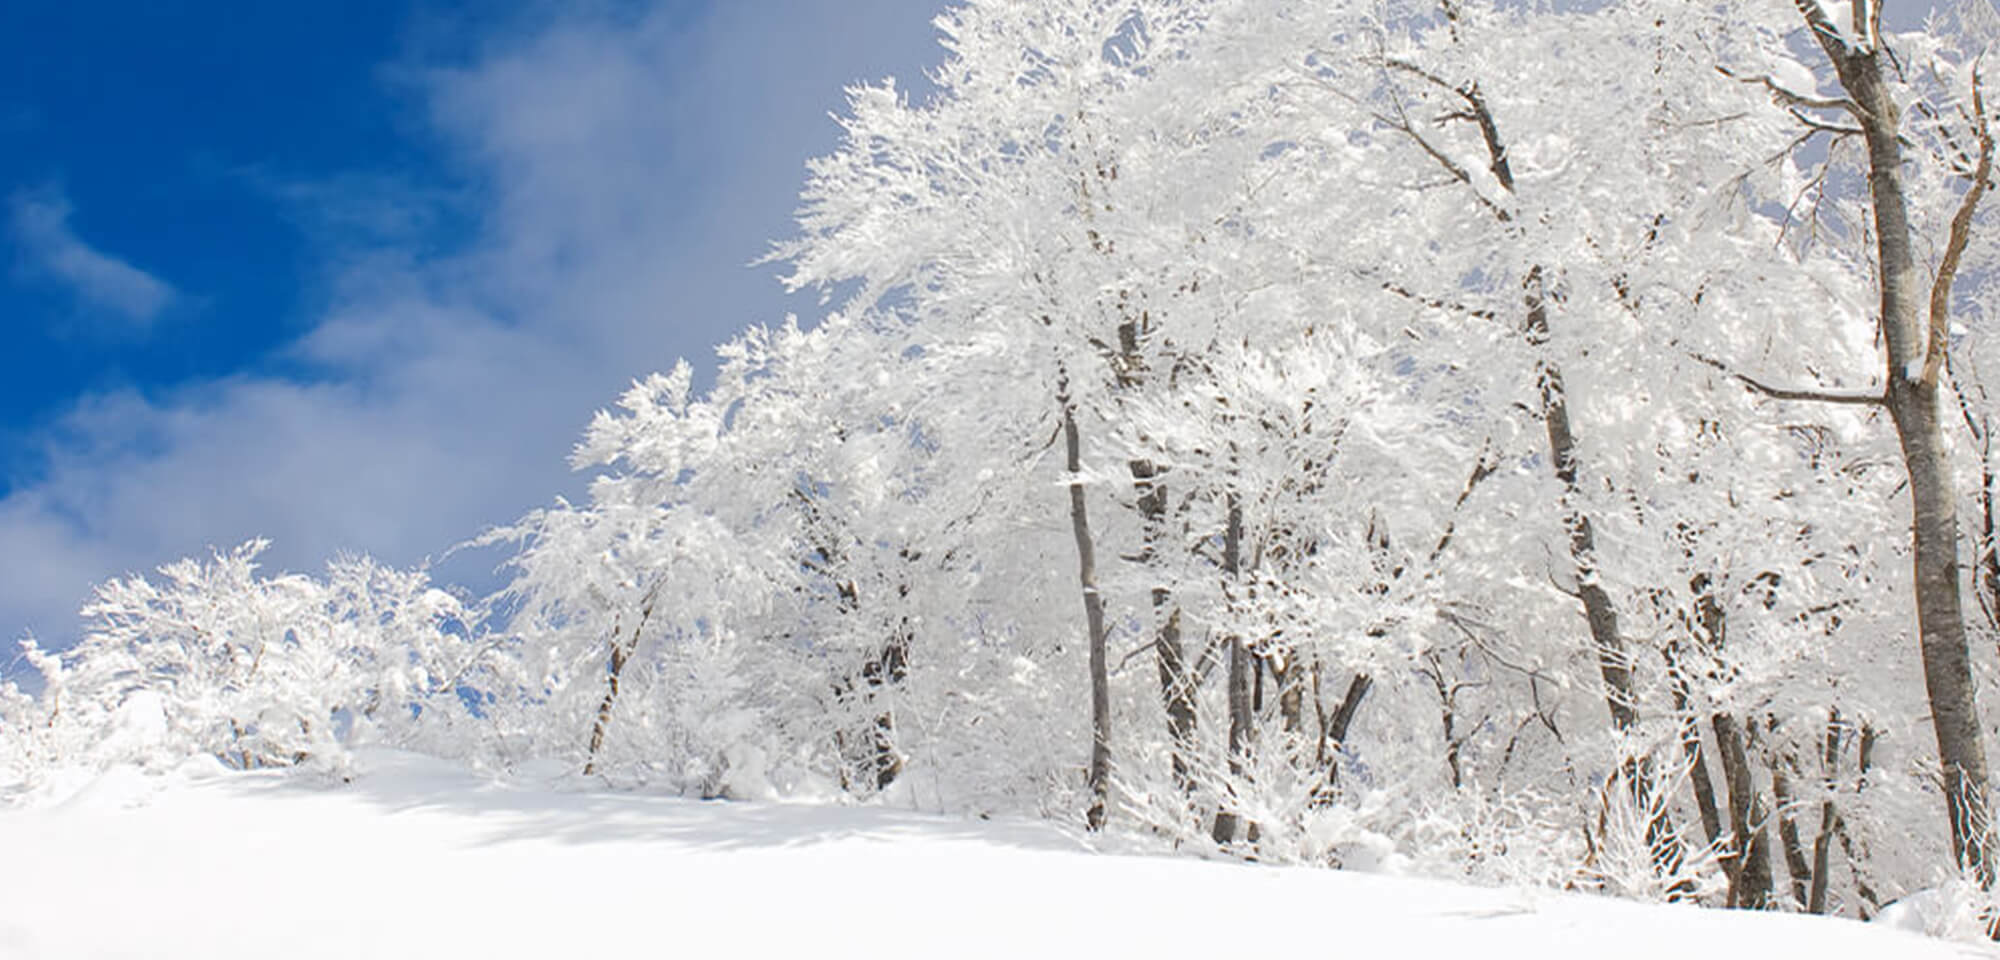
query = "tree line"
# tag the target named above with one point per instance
(1532, 443)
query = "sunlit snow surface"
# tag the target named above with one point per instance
(411, 860)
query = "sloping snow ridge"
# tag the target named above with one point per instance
(414, 860)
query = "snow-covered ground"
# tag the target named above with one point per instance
(414, 861)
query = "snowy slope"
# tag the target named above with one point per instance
(409, 861)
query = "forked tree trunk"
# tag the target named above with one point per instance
(1333, 731)
(1914, 311)
(1748, 861)
(1749, 864)
(1099, 775)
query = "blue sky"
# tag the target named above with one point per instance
(354, 276)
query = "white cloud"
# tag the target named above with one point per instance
(621, 174)
(49, 248)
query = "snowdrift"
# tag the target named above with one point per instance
(414, 860)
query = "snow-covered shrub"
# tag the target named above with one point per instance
(212, 658)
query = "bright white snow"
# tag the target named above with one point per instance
(412, 861)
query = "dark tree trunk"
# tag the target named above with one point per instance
(1177, 689)
(1989, 546)
(888, 669)
(1796, 865)
(1829, 818)
(1333, 732)
(1448, 718)
(1697, 756)
(1613, 664)
(1856, 854)
(1749, 863)
(1099, 776)
(1240, 665)
(1599, 612)
(1290, 680)
(1985, 547)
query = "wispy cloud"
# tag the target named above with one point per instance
(50, 249)
(618, 174)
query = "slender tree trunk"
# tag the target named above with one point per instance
(1177, 683)
(1257, 665)
(1985, 548)
(1914, 313)
(1099, 776)
(605, 706)
(1796, 865)
(1240, 665)
(621, 653)
(1748, 862)
(1691, 744)
(1816, 896)
(1989, 546)
(1857, 853)
(1177, 689)
(1448, 716)
(1750, 877)
(1613, 664)
(1290, 680)
(1599, 612)
(1333, 731)
(1829, 818)
(888, 669)
(1350, 703)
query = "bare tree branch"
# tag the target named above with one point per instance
(1790, 98)
(1822, 126)
(1436, 303)
(1784, 393)
(1961, 234)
